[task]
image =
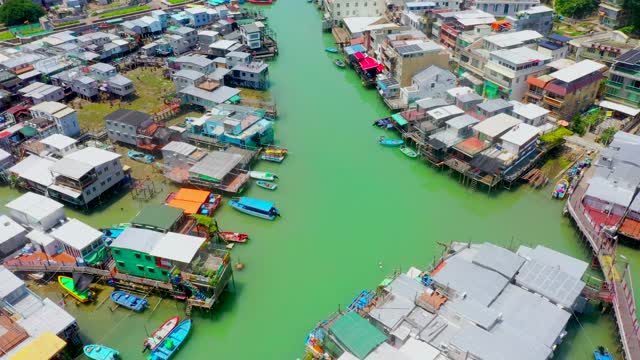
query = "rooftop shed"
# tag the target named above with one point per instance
(157, 217)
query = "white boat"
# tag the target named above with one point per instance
(262, 175)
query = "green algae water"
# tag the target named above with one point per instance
(352, 212)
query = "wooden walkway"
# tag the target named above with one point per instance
(623, 297)
(18, 266)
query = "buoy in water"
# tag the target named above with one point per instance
(239, 266)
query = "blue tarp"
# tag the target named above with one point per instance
(350, 50)
(256, 203)
(558, 37)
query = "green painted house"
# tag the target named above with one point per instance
(160, 218)
(131, 252)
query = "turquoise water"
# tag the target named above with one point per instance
(347, 205)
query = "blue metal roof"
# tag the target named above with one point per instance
(558, 37)
(350, 50)
(256, 203)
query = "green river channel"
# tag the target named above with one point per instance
(347, 205)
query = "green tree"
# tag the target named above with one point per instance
(607, 136)
(575, 8)
(17, 12)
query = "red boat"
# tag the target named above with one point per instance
(157, 336)
(261, 2)
(234, 236)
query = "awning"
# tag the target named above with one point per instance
(28, 131)
(65, 191)
(234, 98)
(631, 111)
(397, 117)
(359, 55)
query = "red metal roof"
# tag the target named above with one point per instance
(368, 63)
(359, 55)
(16, 109)
(630, 228)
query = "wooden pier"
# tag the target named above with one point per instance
(619, 283)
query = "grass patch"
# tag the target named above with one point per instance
(151, 90)
(6, 35)
(30, 31)
(124, 11)
(173, 2)
(556, 135)
(67, 23)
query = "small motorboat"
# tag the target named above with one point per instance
(68, 284)
(272, 157)
(172, 342)
(229, 236)
(382, 123)
(408, 151)
(561, 189)
(256, 207)
(142, 157)
(602, 354)
(267, 185)
(339, 63)
(160, 333)
(274, 150)
(262, 175)
(36, 276)
(129, 301)
(100, 352)
(261, 2)
(331, 50)
(389, 142)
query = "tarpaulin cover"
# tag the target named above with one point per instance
(357, 334)
(368, 63)
(359, 55)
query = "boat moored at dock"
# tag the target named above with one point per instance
(161, 333)
(339, 63)
(129, 301)
(263, 175)
(229, 236)
(331, 50)
(172, 342)
(256, 207)
(100, 352)
(267, 185)
(389, 142)
(408, 151)
(67, 283)
(561, 189)
(602, 354)
(142, 157)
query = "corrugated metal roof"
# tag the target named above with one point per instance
(36, 206)
(93, 156)
(216, 165)
(8, 282)
(521, 134)
(136, 239)
(177, 247)
(180, 147)
(498, 259)
(496, 125)
(70, 168)
(34, 168)
(576, 71)
(157, 216)
(551, 282)
(76, 234)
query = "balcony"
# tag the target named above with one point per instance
(626, 71)
(631, 88)
(552, 101)
(78, 185)
(534, 94)
(614, 84)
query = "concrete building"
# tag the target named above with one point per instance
(12, 236)
(120, 85)
(64, 117)
(38, 92)
(505, 8)
(83, 176)
(449, 25)
(184, 78)
(36, 212)
(531, 114)
(405, 58)
(26, 317)
(195, 62)
(190, 35)
(603, 47)
(507, 70)
(79, 240)
(611, 13)
(207, 99)
(538, 18)
(254, 75)
(337, 10)
(431, 82)
(623, 85)
(207, 37)
(59, 145)
(568, 91)
(124, 126)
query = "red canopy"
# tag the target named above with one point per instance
(380, 68)
(368, 63)
(359, 55)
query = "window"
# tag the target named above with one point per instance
(109, 179)
(137, 255)
(147, 257)
(94, 189)
(151, 270)
(140, 267)
(164, 272)
(347, 4)
(102, 183)
(116, 251)
(121, 264)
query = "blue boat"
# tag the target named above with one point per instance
(256, 207)
(142, 157)
(172, 342)
(129, 301)
(100, 352)
(331, 50)
(389, 142)
(602, 354)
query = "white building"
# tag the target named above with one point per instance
(505, 8)
(82, 176)
(65, 118)
(531, 114)
(432, 82)
(36, 212)
(520, 138)
(337, 10)
(507, 70)
(12, 236)
(59, 145)
(78, 239)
